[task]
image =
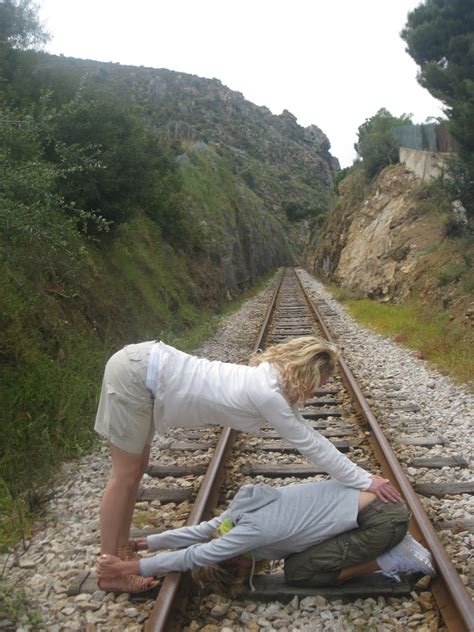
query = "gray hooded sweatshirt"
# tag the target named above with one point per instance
(269, 522)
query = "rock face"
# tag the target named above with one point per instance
(386, 241)
(374, 245)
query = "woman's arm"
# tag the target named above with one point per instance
(293, 427)
(240, 539)
(184, 536)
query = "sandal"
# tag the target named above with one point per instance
(132, 584)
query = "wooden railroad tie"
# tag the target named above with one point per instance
(320, 401)
(342, 431)
(444, 489)
(283, 471)
(165, 496)
(323, 412)
(273, 588)
(275, 446)
(457, 526)
(437, 462)
(283, 446)
(176, 471)
(425, 442)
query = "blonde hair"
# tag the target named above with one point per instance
(300, 363)
(228, 578)
(223, 579)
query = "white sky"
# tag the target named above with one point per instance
(331, 63)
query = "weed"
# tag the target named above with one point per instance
(16, 608)
(468, 282)
(429, 249)
(451, 273)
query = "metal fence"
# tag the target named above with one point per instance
(426, 136)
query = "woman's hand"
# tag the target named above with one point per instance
(383, 489)
(108, 566)
(139, 545)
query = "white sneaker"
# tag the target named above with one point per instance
(409, 556)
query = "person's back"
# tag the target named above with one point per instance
(200, 392)
(294, 517)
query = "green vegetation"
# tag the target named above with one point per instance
(16, 608)
(54, 354)
(376, 145)
(448, 346)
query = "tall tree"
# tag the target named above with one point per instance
(440, 38)
(20, 31)
(20, 27)
(376, 144)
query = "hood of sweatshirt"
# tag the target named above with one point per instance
(250, 498)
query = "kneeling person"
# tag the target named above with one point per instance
(325, 531)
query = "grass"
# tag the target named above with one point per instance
(448, 346)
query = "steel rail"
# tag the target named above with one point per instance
(452, 598)
(206, 499)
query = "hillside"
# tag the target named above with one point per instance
(278, 159)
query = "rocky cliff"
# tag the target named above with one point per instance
(256, 165)
(278, 159)
(387, 241)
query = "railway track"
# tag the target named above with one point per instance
(222, 463)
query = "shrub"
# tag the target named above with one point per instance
(451, 273)
(376, 145)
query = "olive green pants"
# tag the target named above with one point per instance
(381, 527)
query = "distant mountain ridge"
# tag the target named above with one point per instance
(281, 161)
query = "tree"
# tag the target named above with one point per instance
(440, 38)
(20, 31)
(20, 27)
(376, 145)
(136, 168)
(35, 219)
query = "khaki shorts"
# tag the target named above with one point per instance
(381, 527)
(125, 412)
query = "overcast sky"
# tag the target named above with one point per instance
(331, 63)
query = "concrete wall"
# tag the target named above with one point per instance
(424, 164)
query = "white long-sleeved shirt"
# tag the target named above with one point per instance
(191, 391)
(269, 522)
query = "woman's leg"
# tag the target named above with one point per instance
(358, 569)
(381, 527)
(119, 498)
(124, 534)
(116, 513)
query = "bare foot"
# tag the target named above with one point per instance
(127, 584)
